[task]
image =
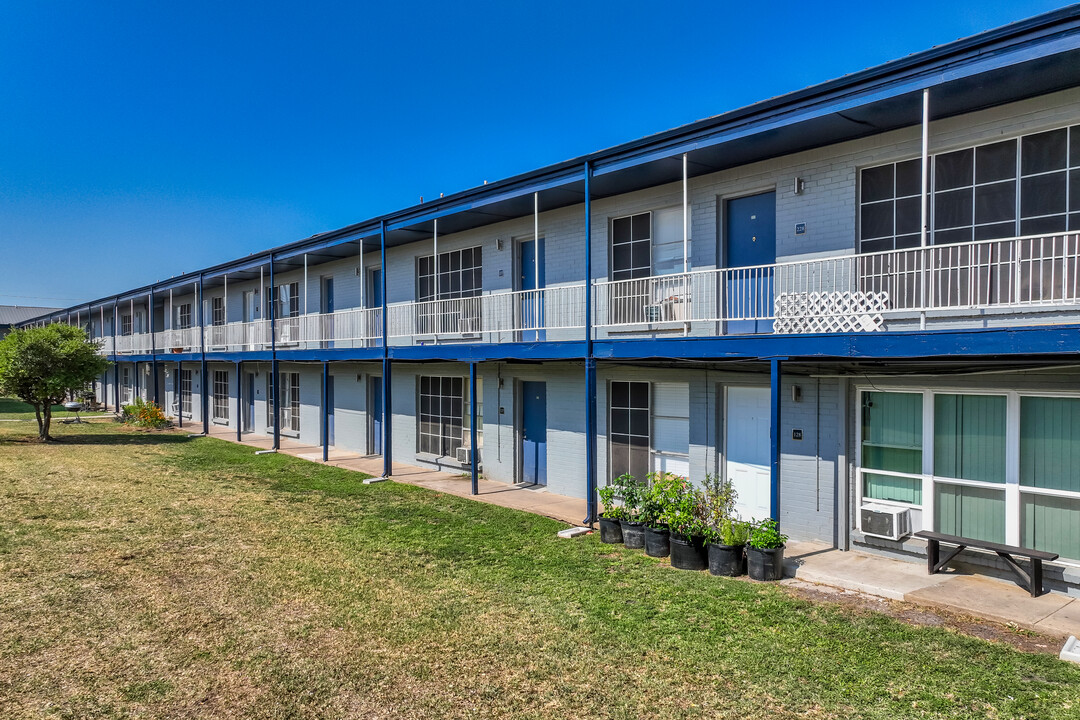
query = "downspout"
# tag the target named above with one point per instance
(473, 449)
(325, 412)
(275, 390)
(203, 382)
(774, 434)
(239, 398)
(590, 366)
(923, 208)
(116, 365)
(153, 347)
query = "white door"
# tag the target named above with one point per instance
(748, 448)
(249, 306)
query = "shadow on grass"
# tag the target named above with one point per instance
(117, 438)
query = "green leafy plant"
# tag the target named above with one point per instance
(144, 414)
(661, 492)
(733, 532)
(43, 365)
(719, 497)
(608, 495)
(684, 513)
(633, 494)
(767, 536)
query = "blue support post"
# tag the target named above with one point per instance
(203, 381)
(774, 433)
(388, 419)
(153, 347)
(116, 367)
(325, 412)
(179, 397)
(590, 366)
(136, 379)
(474, 465)
(275, 384)
(239, 417)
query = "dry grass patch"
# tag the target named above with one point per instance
(155, 576)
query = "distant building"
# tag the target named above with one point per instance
(11, 315)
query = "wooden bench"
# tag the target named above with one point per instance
(1032, 582)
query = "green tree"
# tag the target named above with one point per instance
(41, 365)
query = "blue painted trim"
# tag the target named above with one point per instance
(325, 412)
(474, 464)
(275, 381)
(203, 404)
(775, 436)
(239, 398)
(549, 350)
(590, 441)
(372, 354)
(388, 418)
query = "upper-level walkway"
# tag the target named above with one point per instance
(992, 283)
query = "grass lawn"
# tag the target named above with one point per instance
(149, 575)
(13, 409)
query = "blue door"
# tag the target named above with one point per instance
(532, 304)
(375, 412)
(534, 433)
(328, 307)
(330, 410)
(375, 299)
(750, 241)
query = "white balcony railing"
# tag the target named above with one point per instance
(238, 336)
(506, 314)
(106, 345)
(177, 340)
(855, 292)
(847, 293)
(356, 327)
(137, 344)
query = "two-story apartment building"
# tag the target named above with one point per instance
(864, 293)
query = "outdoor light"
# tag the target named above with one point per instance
(800, 185)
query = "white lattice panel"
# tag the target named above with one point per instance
(830, 312)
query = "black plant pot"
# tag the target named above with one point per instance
(727, 560)
(656, 542)
(765, 564)
(610, 530)
(633, 534)
(688, 553)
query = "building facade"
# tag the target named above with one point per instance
(859, 297)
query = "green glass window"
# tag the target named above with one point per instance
(1051, 524)
(969, 437)
(892, 441)
(971, 512)
(1050, 444)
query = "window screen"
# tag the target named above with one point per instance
(629, 430)
(183, 316)
(217, 317)
(441, 413)
(460, 275)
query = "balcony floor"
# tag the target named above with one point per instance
(528, 498)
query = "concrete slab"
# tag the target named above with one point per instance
(990, 598)
(1065, 621)
(884, 577)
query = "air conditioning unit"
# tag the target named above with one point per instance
(464, 455)
(885, 521)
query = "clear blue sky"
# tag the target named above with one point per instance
(139, 140)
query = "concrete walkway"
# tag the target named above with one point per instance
(983, 596)
(530, 498)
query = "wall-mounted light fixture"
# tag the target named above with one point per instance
(498, 243)
(796, 393)
(800, 186)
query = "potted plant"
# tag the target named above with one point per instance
(662, 488)
(765, 552)
(610, 527)
(633, 532)
(685, 520)
(725, 534)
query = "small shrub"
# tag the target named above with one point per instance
(767, 536)
(732, 531)
(608, 495)
(144, 414)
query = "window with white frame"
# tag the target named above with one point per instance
(125, 325)
(126, 389)
(221, 395)
(629, 429)
(631, 246)
(979, 443)
(440, 420)
(290, 401)
(460, 275)
(1010, 188)
(217, 311)
(185, 393)
(183, 316)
